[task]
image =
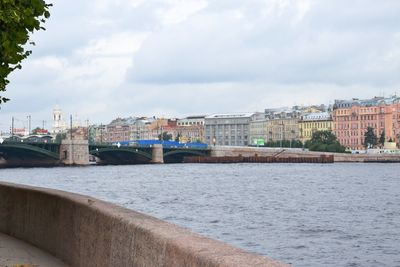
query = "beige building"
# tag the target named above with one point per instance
(191, 120)
(190, 133)
(189, 129)
(282, 129)
(258, 131)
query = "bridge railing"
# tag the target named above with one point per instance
(151, 143)
(29, 140)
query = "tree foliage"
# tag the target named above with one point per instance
(36, 130)
(284, 143)
(177, 138)
(60, 137)
(382, 138)
(370, 138)
(18, 19)
(325, 141)
(165, 136)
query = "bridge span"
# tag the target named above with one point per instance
(134, 154)
(20, 153)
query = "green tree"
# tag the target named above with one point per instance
(177, 138)
(18, 19)
(325, 141)
(36, 130)
(370, 138)
(324, 137)
(284, 143)
(165, 136)
(60, 137)
(382, 138)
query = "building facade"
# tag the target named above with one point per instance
(97, 134)
(142, 128)
(229, 129)
(190, 129)
(282, 124)
(191, 120)
(351, 118)
(282, 129)
(258, 132)
(312, 122)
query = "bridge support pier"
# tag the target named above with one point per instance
(157, 154)
(74, 152)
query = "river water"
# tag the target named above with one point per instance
(302, 214)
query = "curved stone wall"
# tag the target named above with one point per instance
(83, 231)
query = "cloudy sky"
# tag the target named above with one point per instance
(100, 59)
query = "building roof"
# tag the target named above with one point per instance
(318, 116)
(231, 115)
(376, 101)
(195, 117)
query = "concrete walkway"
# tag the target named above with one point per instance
(14, 252)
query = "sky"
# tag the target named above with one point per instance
(102, 59)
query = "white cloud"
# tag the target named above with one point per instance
(107, 58)
(180, 10)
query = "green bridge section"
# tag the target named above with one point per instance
(143, 154)
(29, 154)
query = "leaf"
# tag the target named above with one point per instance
(18, 19)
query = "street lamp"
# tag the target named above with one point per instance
(29, 124)
(291, 137)
(282, 131)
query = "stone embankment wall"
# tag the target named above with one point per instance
(85, 232)
(230, 151)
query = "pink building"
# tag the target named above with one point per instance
(351, 118)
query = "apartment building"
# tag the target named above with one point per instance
(229, 129)
(351, 118)
(312, 122)
(282, 123)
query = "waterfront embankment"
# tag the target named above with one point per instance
(286, 153)
(84, 231)
(258, 159)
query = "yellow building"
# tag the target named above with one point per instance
(310, 123)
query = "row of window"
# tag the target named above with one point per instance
(352, 141)
(190, 123)
(319, 125)
(362, 110)
(355, 126)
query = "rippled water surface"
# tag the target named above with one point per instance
(303, 214)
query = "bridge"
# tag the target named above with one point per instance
(18, 152)
(139, 154)
(15, 153)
